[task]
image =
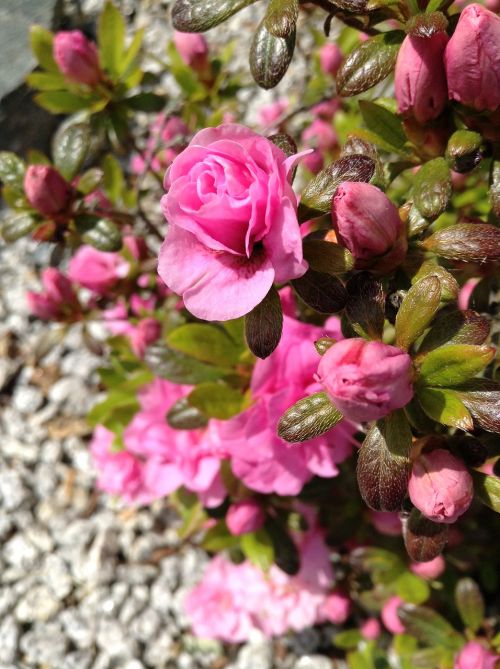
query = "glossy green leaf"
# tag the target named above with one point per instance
(90, 180)
(411, 588)
(347, 639)
(445, 407)
(130, 59)
(204, 342)
(146, 101)
(114, 181)
(264, 325)
(103, 235)
(432, 188)
(482, 399)
(193, 16)
(430, 628)
(218, 538)
(184, 416)
(487, 488)
(15, 226)
(69, 148)
(62, 102)
(327, 257)
(384, 124)
(308, 418)
(179, 367)
(464, 151)
(456, 327)
(453, 364)
(111, 39)
(281, 17)
(217, 400)
(258, 548)
(424, 539)
(270, 56)
(417, 311)
(46, 81)
(322, 292)
(470, 603)
(12, 169)
(449, 285)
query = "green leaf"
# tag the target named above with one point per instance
(146, 101)
(41, 41)
(264, 325)
(217, 400)
(193, 16)
(180, 368)
(218, 538)
(449, 285)
(318, 195)
(286, 554)
(207, 343)
(417, 310)
(270, 56)
(114, 404)
(384, 467)
(412, 588)
(424, 539)
(482, 398)
(62, 102)
(369, 63)
(456, 327)
(129, 61)
(384, 124)
(453, 364)
(365, 305)
(464, 151)
(347, 639)
(281, 17)
(308, 418)
(445, 407)
(103, 235)
(111, 39)
(258, 548)
(468, 242)
(183, 416)
(114, 181)
(69, 148)
(184, 75)
(90, 180)
(16, 226)
(432, 188)
(46, 81)
(327, 257)
(429, 627)
(470, 603)
(12, 169)
(487, 488)
(322, 292)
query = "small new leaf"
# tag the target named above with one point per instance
(327, 257)
(16, 226)
(470, 603)
(417, 310)
(454, 364)
(445, 407)
(456, 327)
(308, 418)
(264, 325)
(193, 16)
(432, 188)
(487, 488)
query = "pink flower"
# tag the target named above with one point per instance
(77, 57)
(144, 333)
(370, 629)
(386, 522)
(366, 379)
(233, 175)
(389, 615)
(330, 57)
(431, 569)
(475, 656)
(245, 516)
(440, 486)
(269, 114)
(166, 140)
(98, 271)
(420, 79)
(46, 190)
(465, 293)
(193, 49)
(58, 301)
(368, 224)
(320, 135)
(336, 608)
(472, 59)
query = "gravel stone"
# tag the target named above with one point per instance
(37, 604)
(9, 634)
(12, 491)
(313, 662)
(44, 644)
(27, 399)
(56, 576)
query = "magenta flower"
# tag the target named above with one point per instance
(46, 190)
(57, 301)
(233, 226)
(440, 486)
(77, 57)
(245, 516)
(420, 79)
(336, 608)
(366, 379)
(472, 59)
(370, 629)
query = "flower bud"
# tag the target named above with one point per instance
(420, 80)
(330, 57)
(336, 608)
(193, 49)
(430, 569)
(46, 190)
(463, 152)
(475, 656)
(57, 301)
(370, 629)
(77, 57)
(440, 486)
(368, 224)
(366, 380)
(389, 615)
(472, 59)
(245, 516)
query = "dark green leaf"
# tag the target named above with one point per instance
(16, 226)
(178, 367)
(470, 603)
(69, 148)
(365, 305)
(270, 56)
(453, 364)
(193, 16)
(327, 257)
(417, 310)
(456, 327)
(469, 242)
(429, 627)
(347, 639)
(308, 418)
(424, 539)
(482, 398)
(258, 548)
(445, 407)
(432, 188)
(146, 101)
(218, 538)
(322, 292)
(41, 41)
(285, 143)
(281, 17)
(111, 39)
(204, 342)
(12, 169)
(217, 400)
(369, 63)
(103, 235)
(264, 325)
(384, 124)
(384, 466)
(184, 416)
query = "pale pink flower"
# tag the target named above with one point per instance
(99, 271)
(475, 656)
(430, 569)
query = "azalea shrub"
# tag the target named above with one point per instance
(299, 313)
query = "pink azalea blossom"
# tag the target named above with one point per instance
(371, 629)
(475, 656)
(57, 301)
(77, 57)
(245, 516)
(390, 616)
(269, 114)
(386, 522)
(99, 271)
(46, 190)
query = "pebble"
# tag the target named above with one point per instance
(37, 604)
(313, 662)
(27, 399)
(9, 634)
(12, 491)
(55, 574)
(44, 644)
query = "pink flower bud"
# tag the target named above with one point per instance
(77, 57)
(475, 656)
(472, 59)
(245, 516)
(193, 49)
(46, 190)
(420, 80)
(440, 486)
(389, 615)
(366, 379)
(336, 608)
(370, 629)
(330, 57)
(58, 301)
(269, 114)
(431, 569)
(368, 223)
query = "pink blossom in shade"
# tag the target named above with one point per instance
(368, 223)
(336, 608)
(472, 59)
(386, 522)
(389, 615)
(371, 629)
(99, 271)
(269, 114)
(465, 293)
(475, 656)
(431, 569)
(46, 190)
(77, 57)
(233, 227)
(420, 79)
(320, 135)
(330, 57)
(366, 380)
(193, 49)
(326, 110)
(223, 605)
(57, 301)
(440, 486)
(245, 516)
